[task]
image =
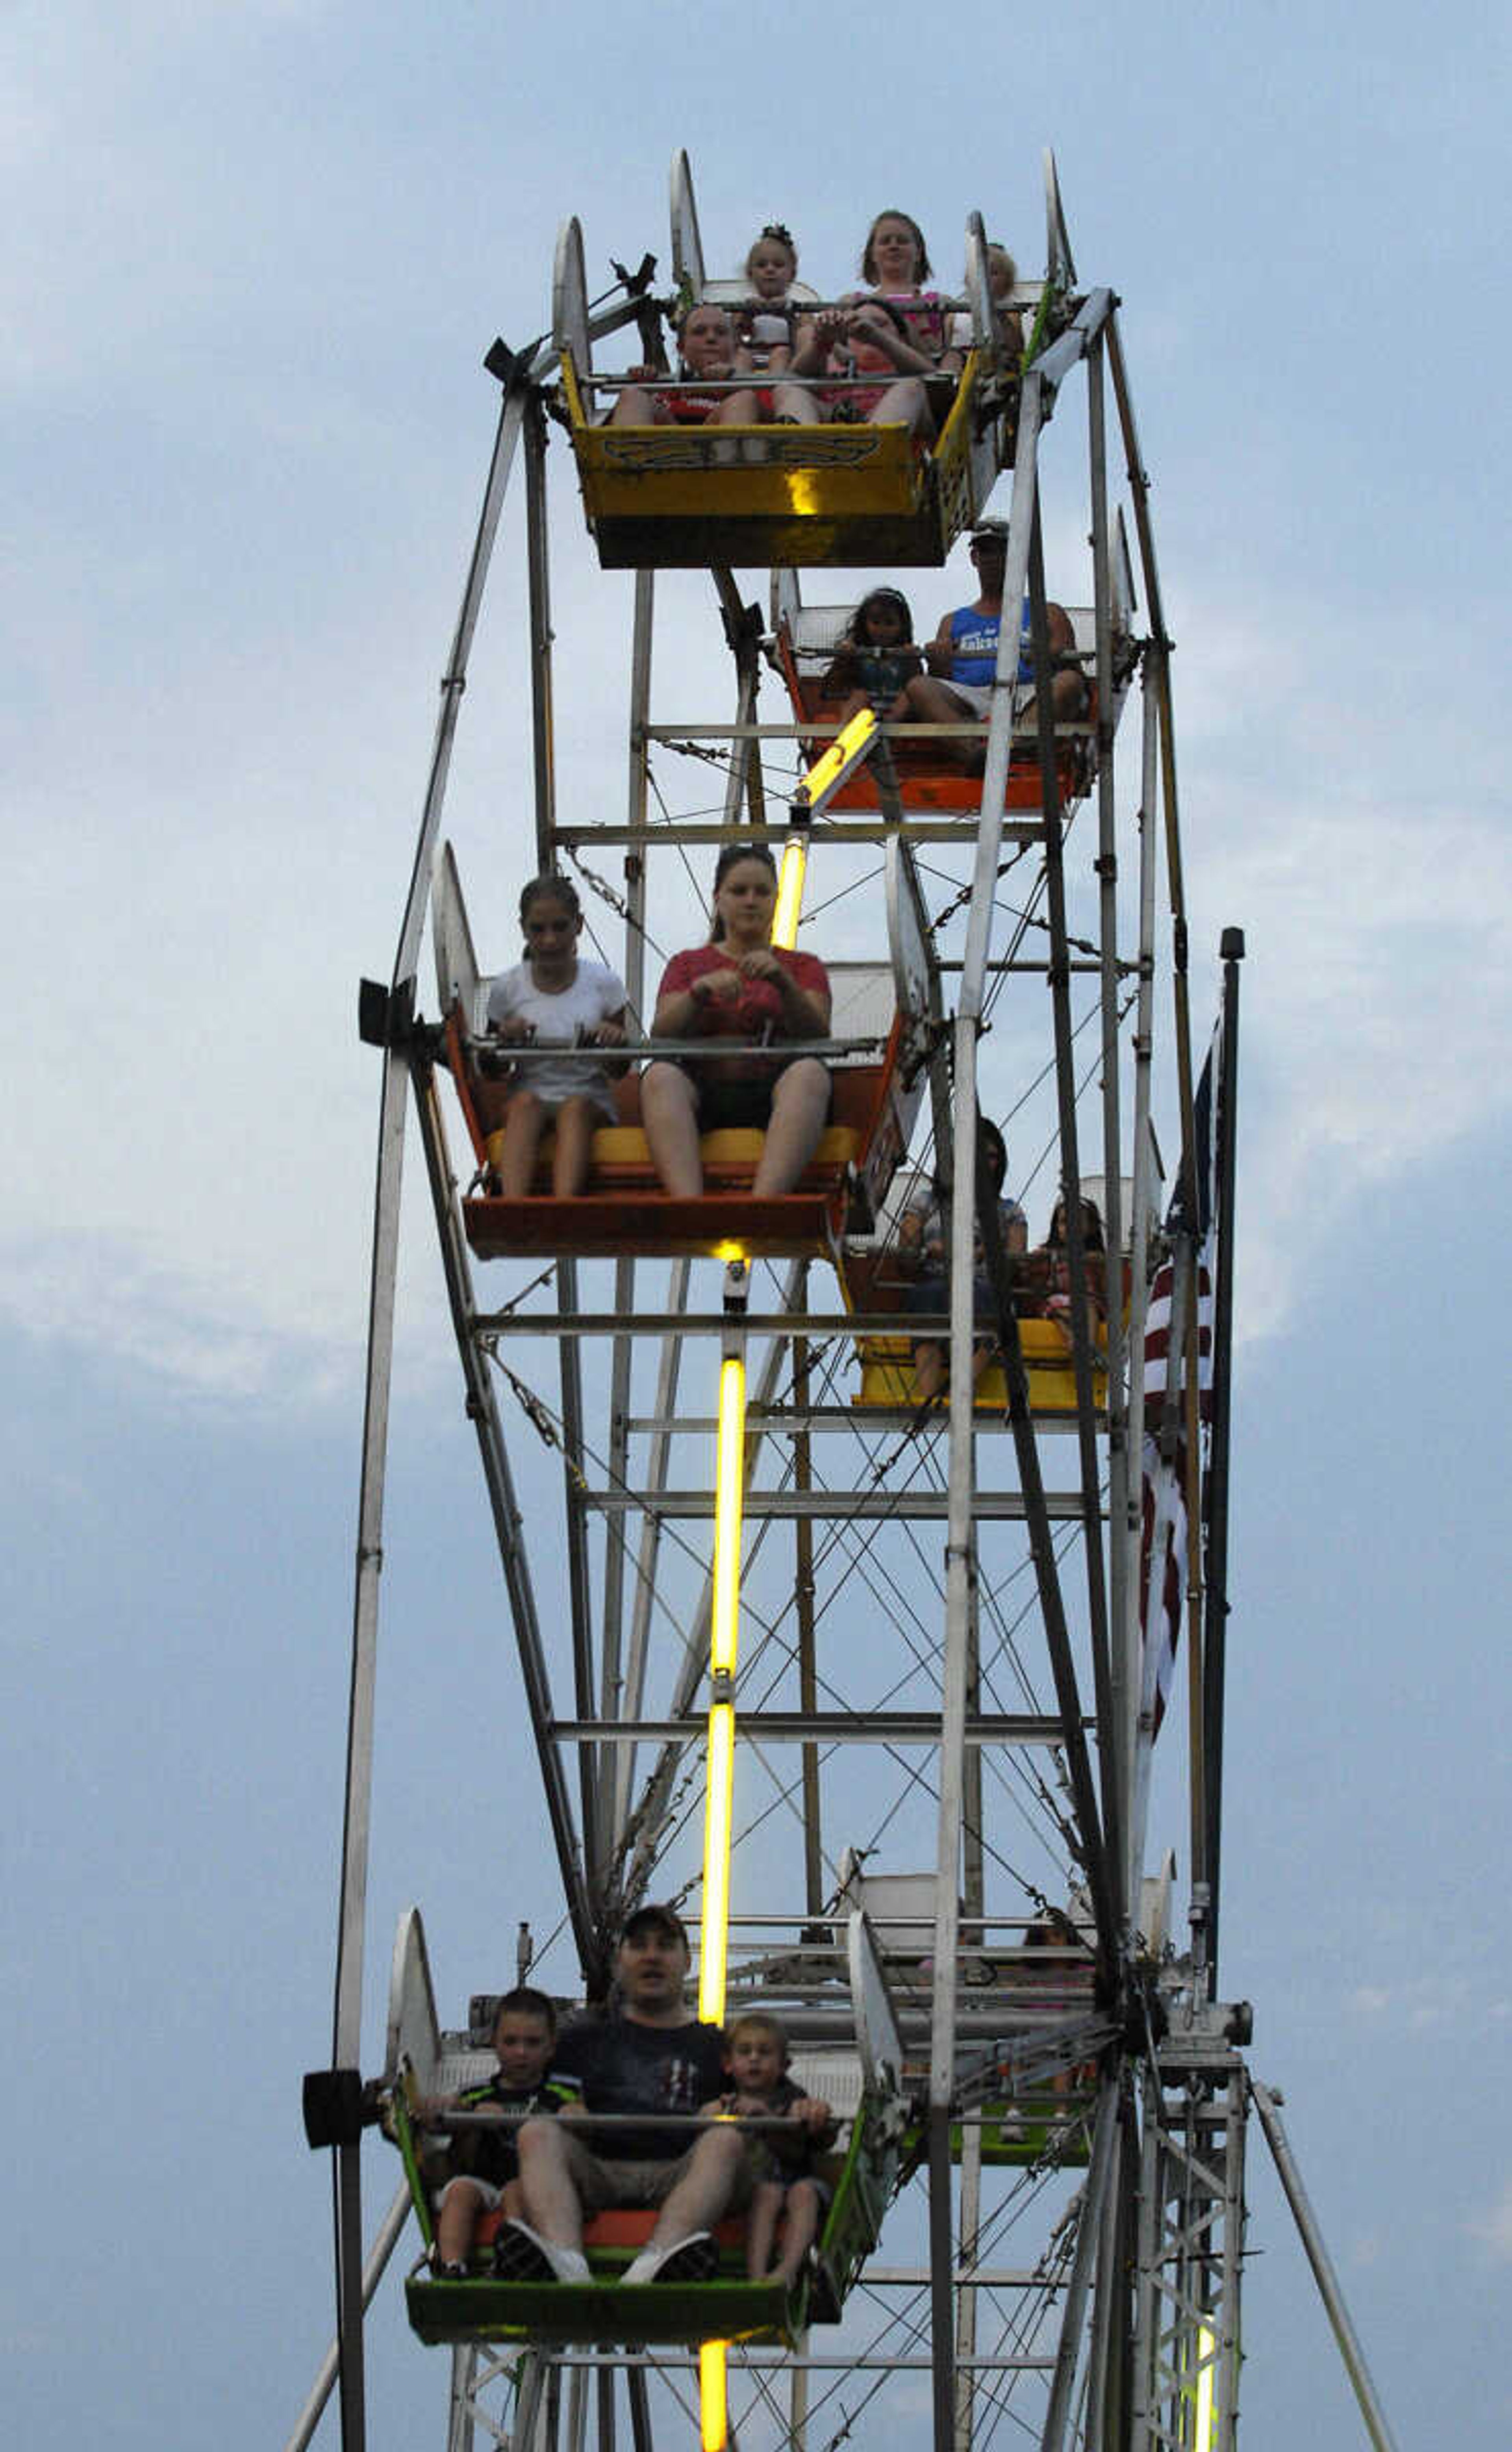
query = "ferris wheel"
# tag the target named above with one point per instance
(861, 1666)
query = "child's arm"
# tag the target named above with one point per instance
(612, 1032)
(814, 2114)
(818, 336)
(434, 2106)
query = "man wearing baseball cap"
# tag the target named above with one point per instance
(647, 2057)
(962, 656)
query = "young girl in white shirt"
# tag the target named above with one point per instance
(554, 999)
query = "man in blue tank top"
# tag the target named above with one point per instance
(962, 656)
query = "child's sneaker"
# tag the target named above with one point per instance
(521, 2255)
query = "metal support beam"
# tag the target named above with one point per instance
(1113, 1914)
(388, 2234)
(1215, 1501)
(348, 2012)
(1094, 2212)
(1318, 2257)
(508, 1524)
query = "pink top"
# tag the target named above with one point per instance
(748, 1014)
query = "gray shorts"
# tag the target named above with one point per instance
(601, 2182)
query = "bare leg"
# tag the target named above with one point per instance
(736, 408)
(802, 2229)
(454, 2232)
(699, 2199)
(761, 2223)
(637, 407)
(577, 1120)
(524, 1124)
(925, 700)
(904, 402)
(790, 401)
(800, 1102)
(928, 1371)
(1068, 699)
(670, 1114)
(546, 2187)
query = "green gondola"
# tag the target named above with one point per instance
(728, 2307)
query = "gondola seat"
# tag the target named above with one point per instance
(624, 1208)
(805, 641)
(684, 497)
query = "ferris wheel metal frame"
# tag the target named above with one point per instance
(1127, 2325)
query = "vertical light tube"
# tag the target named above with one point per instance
(713, 1950)
(1203, 2438)
(712, 2405)
(790, 892)
(724, 1643)
(729, 1493)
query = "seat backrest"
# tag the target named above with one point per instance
(413, 2033)
(863, 1004)
(738, 293)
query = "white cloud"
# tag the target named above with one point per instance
(225, 737)
(205, 1148)
(1341, 811)
(1422, 2004)
(1493, 2227)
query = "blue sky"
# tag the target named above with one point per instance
(254, 255)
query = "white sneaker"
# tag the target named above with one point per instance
(693, 2259)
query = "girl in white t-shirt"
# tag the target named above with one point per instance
(554, 999)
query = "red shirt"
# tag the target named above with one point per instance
(748, 1014)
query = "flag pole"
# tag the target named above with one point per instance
(1232, 952)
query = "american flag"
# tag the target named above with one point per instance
(1163, 1495)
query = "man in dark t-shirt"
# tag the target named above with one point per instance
(648, 2057)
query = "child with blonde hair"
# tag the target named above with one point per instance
(763, 326)
(756, 2062)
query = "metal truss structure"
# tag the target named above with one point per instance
(945, 1701)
